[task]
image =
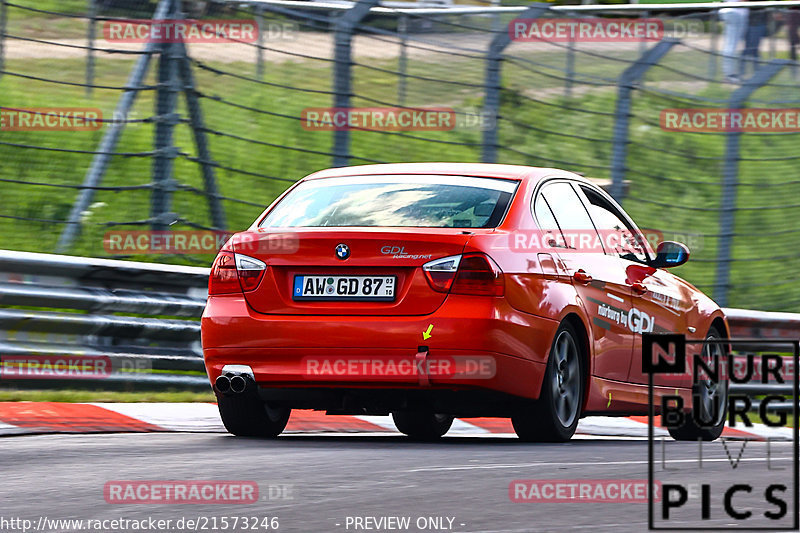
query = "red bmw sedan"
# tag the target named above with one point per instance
(430, 291)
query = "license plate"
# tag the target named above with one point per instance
(377, 288)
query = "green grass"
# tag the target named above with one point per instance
(755, 418)
(69, 19)
(671, 1)
(70, 395)
(58, 6)
(38, 22)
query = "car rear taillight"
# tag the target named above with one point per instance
(223, 278)
(478, 274)
(442, 272)
(250, 271)
(232, 273)
(472, 273)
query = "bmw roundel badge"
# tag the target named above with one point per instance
(342, 251)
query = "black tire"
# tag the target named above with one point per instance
(245, 415)
(706, 391)
(554, 416)
(421, 425)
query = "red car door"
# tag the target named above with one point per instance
(598, 278)
(660, 300)
(656, 302)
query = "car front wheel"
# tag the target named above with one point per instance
(709, 400)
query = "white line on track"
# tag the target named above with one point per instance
(384, 422)
(8, 429)
(571, 527)
(183, 417)
(592, 463)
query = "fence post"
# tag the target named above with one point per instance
(625, 85)
(165, 152)
(110, 139)
(90, 37)
(772, 28)
(3, 22)
(402, 62)
(491, 104)
(570, 67)
(496, 24)
(643, 43)
(197, 123)
(343, 27)
(730, 178)
(713, 24)
(260, 42)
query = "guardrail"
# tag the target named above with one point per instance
(747, 324)
(141, 319)
(130, 325)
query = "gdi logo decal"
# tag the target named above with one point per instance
(640, 322)
(635, 320)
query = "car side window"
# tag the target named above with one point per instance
(619, 237)
(569, 213)
(547, 222)
(544, 215)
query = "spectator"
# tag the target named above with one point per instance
(735, 20)
(756, 31)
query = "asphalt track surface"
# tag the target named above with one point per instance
(334, 477)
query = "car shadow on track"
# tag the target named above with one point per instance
(395, 441)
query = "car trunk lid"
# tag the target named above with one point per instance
(381, 257)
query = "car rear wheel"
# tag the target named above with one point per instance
(554, 416)
(422, 425)
(245, 415)
(711, 398)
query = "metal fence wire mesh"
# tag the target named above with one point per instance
(204, 134)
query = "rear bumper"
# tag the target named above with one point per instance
(475, 343)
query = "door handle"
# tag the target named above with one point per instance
(581, 276)
(639, 288)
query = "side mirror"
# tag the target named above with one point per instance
(670, 254)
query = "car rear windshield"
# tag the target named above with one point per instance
(394, 201)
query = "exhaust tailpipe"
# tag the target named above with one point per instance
(238, 384)
(223, 384)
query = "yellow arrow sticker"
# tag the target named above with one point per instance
(427, 334)
(609, 401)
